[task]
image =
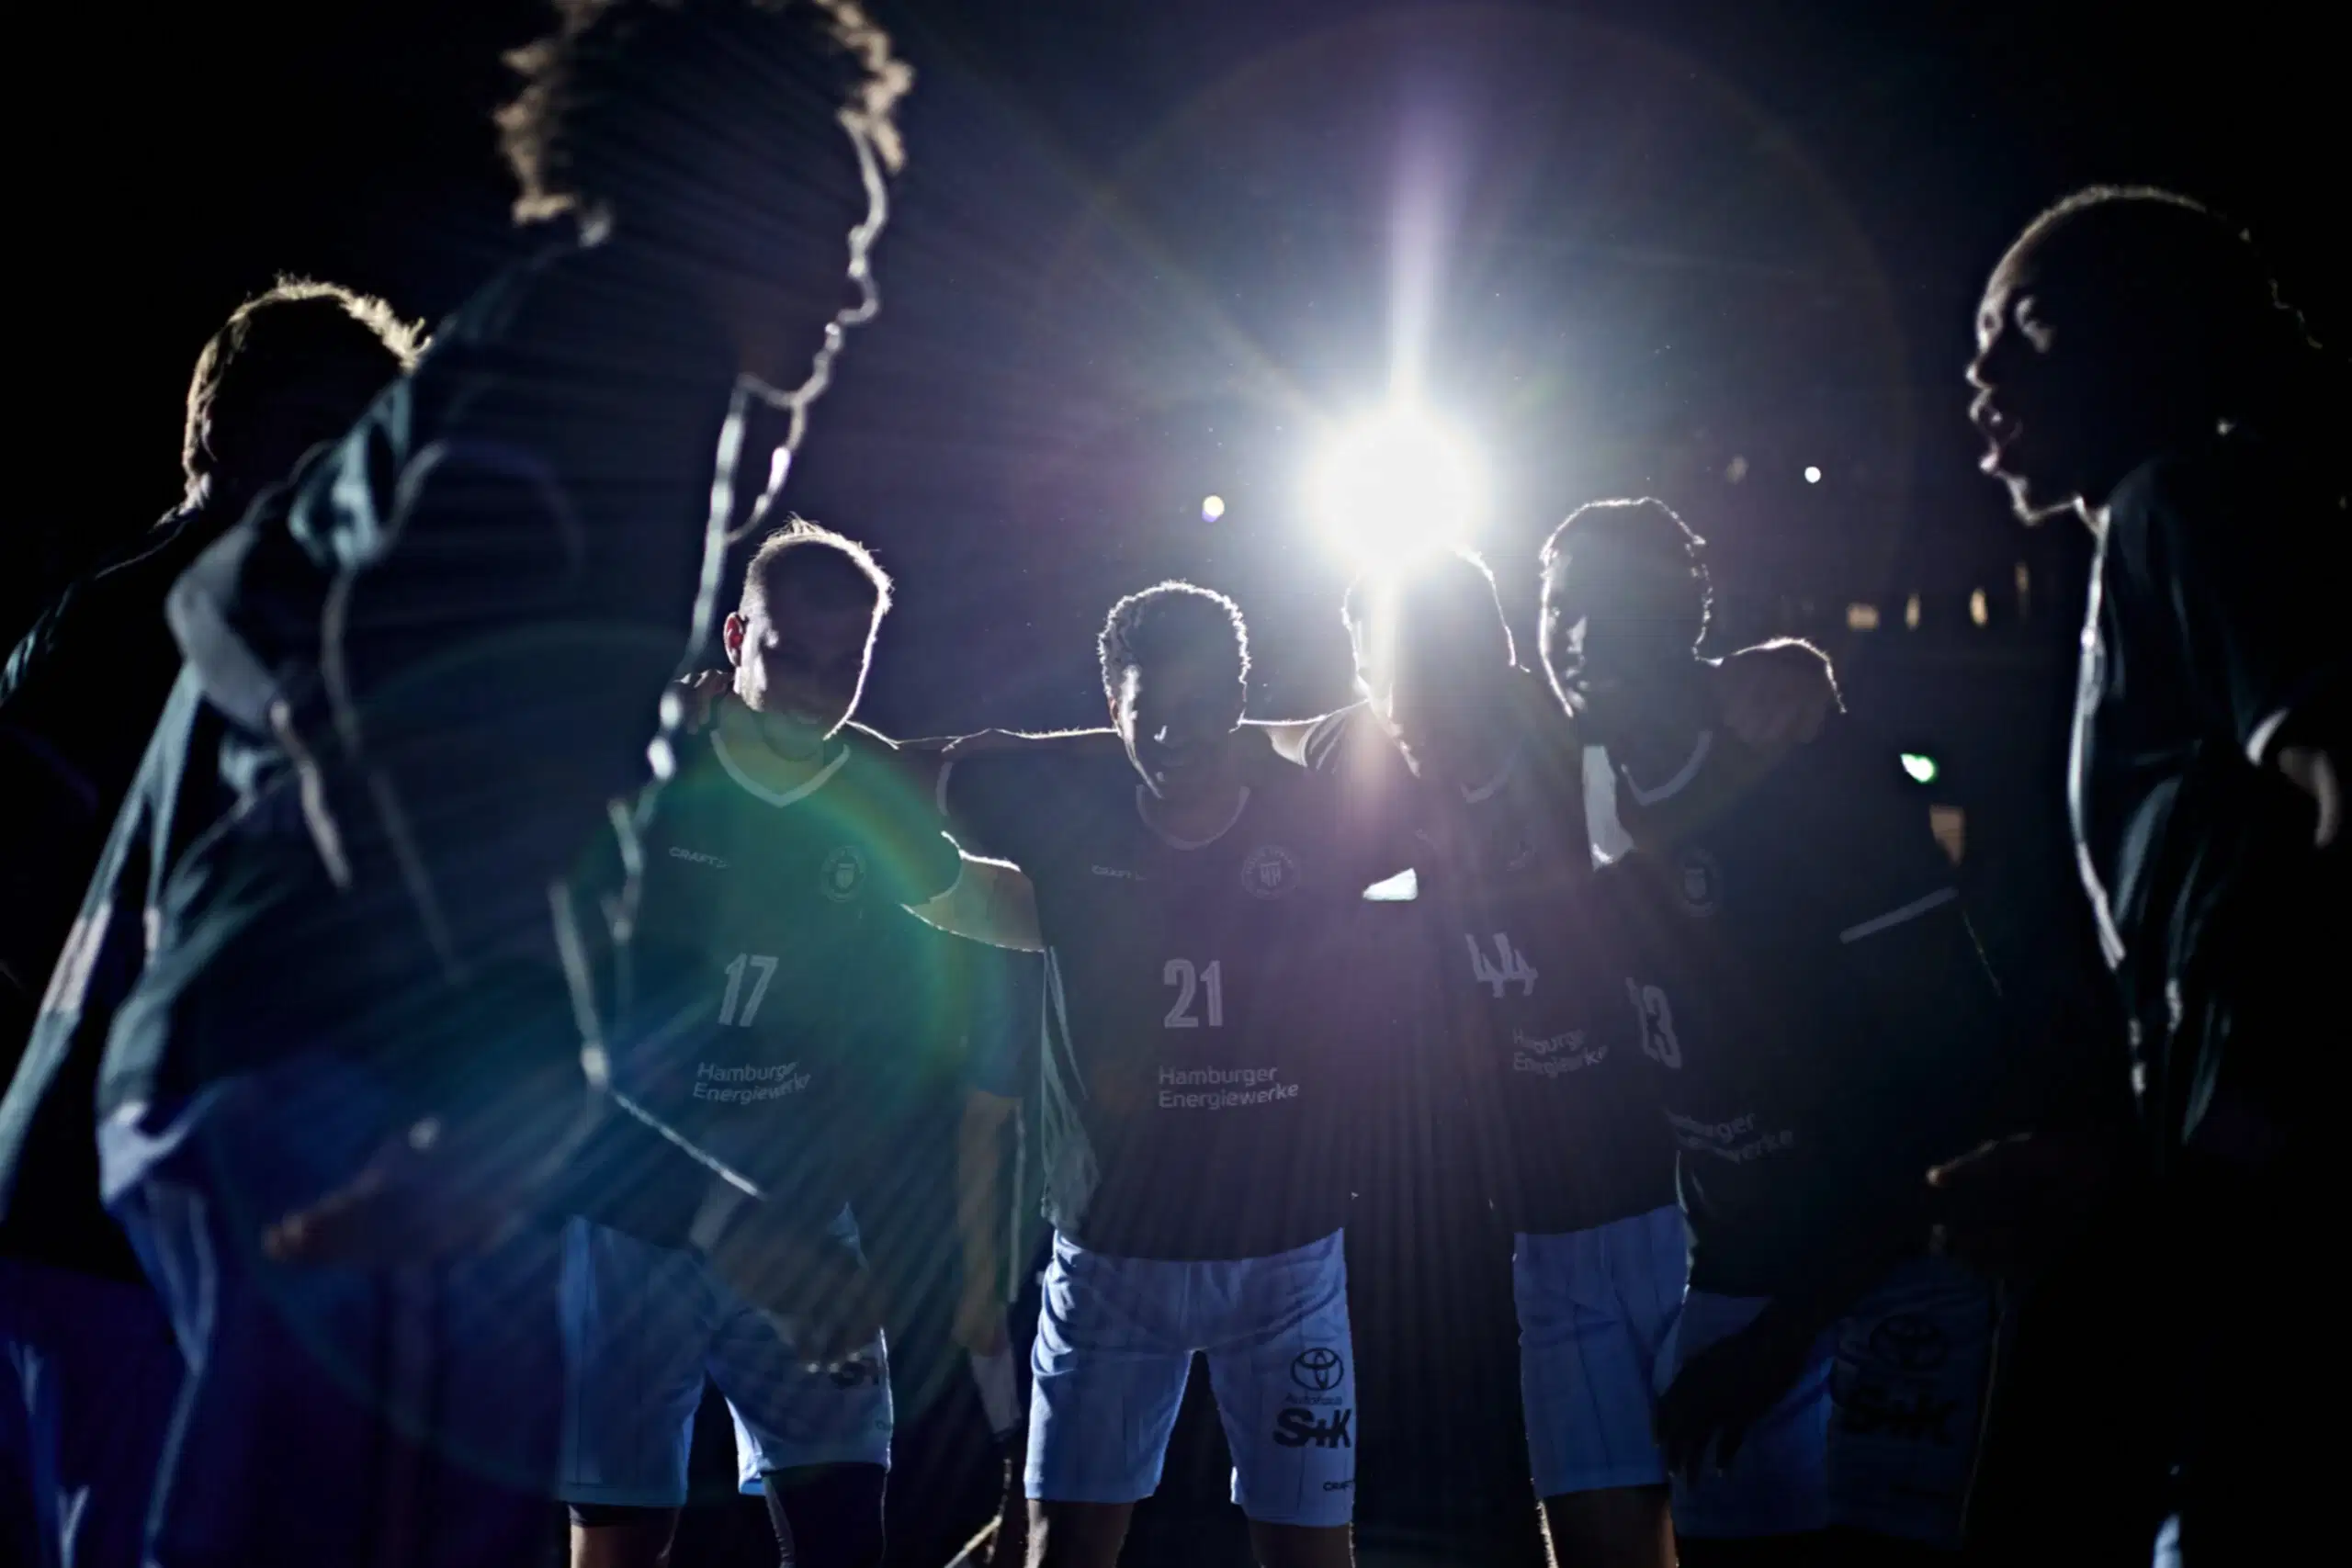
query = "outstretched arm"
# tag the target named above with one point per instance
(992, 902)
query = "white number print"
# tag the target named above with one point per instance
(764, 968)
(1190, 984)
(1658, 1041)
(1507, 965)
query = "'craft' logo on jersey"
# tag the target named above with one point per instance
(1697, 886)
(1269, 872)
(679, 852)
(844, 873)
(1318, 1367)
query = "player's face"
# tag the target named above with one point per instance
(801, 664)
(1178, 719)
(1611, 655)
(2045, 403)
(1431, 692)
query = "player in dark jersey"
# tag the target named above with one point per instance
(2136, 366)
(776, 988)
(435, 658)
(1822, 1029)
(1195, 917)
(81, 696)
(1505, 801)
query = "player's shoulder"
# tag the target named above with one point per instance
(1340, 734)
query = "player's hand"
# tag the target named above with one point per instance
(1726, 1389)
(1776, 696)
(820, 1288)
(979, 1316)
(2011, 1206)
(690, 705)
(450, 1185)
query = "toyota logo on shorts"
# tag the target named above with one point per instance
(1319, 1367)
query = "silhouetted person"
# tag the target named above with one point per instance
(2135, 366)
(421, 672)
(291, 367)
(88, 1347)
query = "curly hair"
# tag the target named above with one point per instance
(618, 77)
(2191, 290)
(833, 569)
(1645, 536)
(297, 339)
(1169, 618)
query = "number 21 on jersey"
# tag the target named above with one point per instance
(762, 969)
(1193, 984)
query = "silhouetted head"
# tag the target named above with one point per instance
(726, 135)
(1625, 602)
(1433, 655)
(803, 634)
(1175, 670)
(290, 367)
(2125, 324)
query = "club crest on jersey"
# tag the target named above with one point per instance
(1271, 871)
(1698, 884)
(842, 874)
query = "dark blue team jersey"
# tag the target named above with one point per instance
(778, 1004)
(1819, 1023)
(2212, 634)
(1562, 1118)
(1198, 1047)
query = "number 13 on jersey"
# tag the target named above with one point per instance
(1202, 984)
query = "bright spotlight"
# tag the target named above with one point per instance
(1211, 508)
(1812, 475)
(1920, 766)
(1399, 481)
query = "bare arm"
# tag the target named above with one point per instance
(992, 902)
(979, 1155)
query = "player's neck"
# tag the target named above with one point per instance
(1195, 818)
(779, 755)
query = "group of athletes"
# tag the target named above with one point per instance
(426, 1085)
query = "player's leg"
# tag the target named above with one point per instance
(1913, 1364)
(638, 1330)
(814, 1441)
(1282, 1366)
(1769, 1505)
(1108, 1373)
(1594, 1310)
(829, 1516)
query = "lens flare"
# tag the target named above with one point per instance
(1396, 482)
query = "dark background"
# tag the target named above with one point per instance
(1149, 252)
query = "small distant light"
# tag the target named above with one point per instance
(1979, 611)
(1211, 508)
(1737, 469)
(1812, 475)
(1920, 766)
(1861, 617)
(1911, 613)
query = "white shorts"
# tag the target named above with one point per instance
(645, 1326)
(1115, 1341)
(1595, 1308)
(1879, 1432)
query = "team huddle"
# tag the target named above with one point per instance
(431, 1087)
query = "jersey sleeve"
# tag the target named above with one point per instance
(1000, 1052)
(2235, 560)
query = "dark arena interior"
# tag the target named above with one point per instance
(459, 983)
